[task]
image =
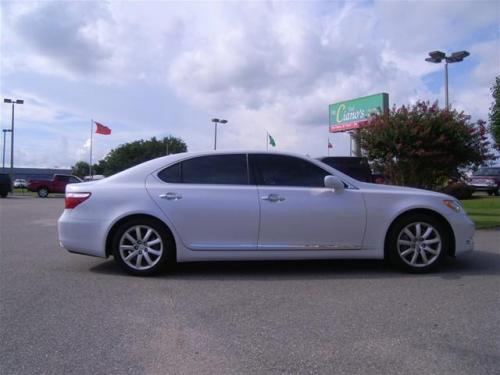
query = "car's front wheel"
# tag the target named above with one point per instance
(142, 246)
(418, 243)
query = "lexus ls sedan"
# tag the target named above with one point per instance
(216, 206)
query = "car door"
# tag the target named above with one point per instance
(59, 184)
(209, 201)
(298, 212)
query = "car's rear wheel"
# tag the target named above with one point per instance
(141, 246)
(418, 243)
(43, 192)
(3, 195)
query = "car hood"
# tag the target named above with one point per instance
(403, 190)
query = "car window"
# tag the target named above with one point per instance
(488, 172)
(282, 170)
(213, 169)
(74, 180)
(62, 178)
(171, 174)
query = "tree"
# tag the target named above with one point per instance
(423, 146)
(133, 153)
(495, 112)
(80, 169)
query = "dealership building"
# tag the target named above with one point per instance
(35, 173)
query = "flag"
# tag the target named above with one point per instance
(330, 144)
(102, 129)
(271, 140)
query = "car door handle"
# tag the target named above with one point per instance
(273, 198)
(171, 196)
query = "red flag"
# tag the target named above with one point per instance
(102, 129)
(329, 144)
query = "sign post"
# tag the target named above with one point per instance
(352, 115)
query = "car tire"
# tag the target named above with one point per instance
(496, 192)
(3, 195)
(418, 243)
(43, 192)
(143, 247)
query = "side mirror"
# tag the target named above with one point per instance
(332, 182)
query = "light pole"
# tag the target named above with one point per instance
(438, 56)
(17, 101)
(5, 131)
(217, 121)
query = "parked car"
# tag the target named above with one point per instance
(215, 206)
(20, 183)
(486, 179)
(56, 185)
(5, 185)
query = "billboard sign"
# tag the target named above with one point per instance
(354, 114)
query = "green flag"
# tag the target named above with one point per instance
(271, 140)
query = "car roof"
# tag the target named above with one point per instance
(142, 170)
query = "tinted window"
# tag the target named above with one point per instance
(281, 170)
(488, 172)
(216, 169)
(73, 180)
(171, 174)
(62, 178)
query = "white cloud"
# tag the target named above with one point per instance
(263, 66)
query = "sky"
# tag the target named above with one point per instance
(158, 68)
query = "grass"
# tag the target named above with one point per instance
(484, 211)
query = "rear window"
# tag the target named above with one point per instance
(488, 172)
(214, 169)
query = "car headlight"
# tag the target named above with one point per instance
(454, 205)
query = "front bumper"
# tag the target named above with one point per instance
(81, 236)
(463, 230)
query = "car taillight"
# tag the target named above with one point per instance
(72, 200)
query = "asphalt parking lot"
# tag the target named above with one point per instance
(71, 314)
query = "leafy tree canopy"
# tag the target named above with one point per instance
(423, 145)
(495, 112)
(130, 154)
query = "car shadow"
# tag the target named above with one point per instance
(476, 263)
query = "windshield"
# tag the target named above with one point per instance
(487, 172)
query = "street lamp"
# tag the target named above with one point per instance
(438, 56)
(17, 101)
(5, 131)
(217, 121)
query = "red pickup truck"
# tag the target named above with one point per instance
(56, 185)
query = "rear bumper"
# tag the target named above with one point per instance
(81, 236)
(463, 230)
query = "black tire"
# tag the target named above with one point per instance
(3, 195)
(497, 192)
(43, 192)
(406, 261)
(490, 192)
(159, 262)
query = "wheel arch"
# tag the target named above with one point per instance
(436, 215)
(116, 225)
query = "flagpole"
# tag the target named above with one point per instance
(91, 135)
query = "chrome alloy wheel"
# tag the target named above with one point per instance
(419, 244)
(141, 247)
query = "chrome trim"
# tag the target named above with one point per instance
(216, 247)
